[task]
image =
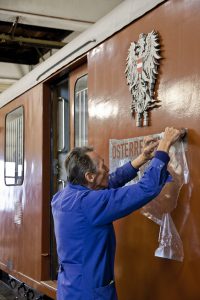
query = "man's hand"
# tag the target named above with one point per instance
(149, 146)
(171, 135)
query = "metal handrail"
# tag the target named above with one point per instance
(63, 148)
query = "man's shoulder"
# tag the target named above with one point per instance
(69, 197)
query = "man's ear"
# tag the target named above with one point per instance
(89, 177)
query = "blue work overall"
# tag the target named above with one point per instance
(84, 231)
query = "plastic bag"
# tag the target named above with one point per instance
(158, 210)
(170, 244)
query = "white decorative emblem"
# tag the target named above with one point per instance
(141, 70)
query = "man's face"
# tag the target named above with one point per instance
(101, 177)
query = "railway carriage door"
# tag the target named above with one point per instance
(65, 136)
(60, 139)
(69, 98)
(61, 132)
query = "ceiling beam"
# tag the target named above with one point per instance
(30, 41)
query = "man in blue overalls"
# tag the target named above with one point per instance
(84, 210)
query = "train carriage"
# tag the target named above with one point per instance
(78, 97)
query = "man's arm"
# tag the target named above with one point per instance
(125, 173)
(170, 137)
(122, 175)
(129, 171)
(104, 206)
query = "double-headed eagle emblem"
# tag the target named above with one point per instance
(141, 71)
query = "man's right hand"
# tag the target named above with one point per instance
(171, 135)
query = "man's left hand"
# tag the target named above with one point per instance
(149, 147)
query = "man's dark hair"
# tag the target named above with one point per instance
(77, 163)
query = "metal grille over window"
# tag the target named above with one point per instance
(14, 147)
(81, 112)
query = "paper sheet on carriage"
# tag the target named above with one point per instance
(159, 210)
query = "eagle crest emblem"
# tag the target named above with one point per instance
(141, 70)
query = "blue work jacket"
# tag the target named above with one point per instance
(84, 231)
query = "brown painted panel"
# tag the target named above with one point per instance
(24, 244)
(139, 274)
(46, 197)
(33, 182)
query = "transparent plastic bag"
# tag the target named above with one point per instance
(159, 209)
(170, 244)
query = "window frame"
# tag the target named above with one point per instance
(23, 152)
(83, 75)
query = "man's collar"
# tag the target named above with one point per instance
(78, 187)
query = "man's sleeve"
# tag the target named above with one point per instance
(122, 175)
(104, 206)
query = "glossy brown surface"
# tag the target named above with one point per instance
(24, 248)
(46, 197)
(139, 274)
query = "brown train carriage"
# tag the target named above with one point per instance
(86, 100)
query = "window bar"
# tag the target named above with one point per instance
(18, 145)
(79, 112)
(11, 144)
(12, 141)
(19, 142)
(15, 147)
(7, 137)
(22, 140)
(83, 117)
(86, 116)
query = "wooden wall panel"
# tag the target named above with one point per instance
(46, 182)
(24, 241)
(139, 274)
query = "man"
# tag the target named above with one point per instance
(84, 210)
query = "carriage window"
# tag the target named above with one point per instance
(81, 112)
(14, 151)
